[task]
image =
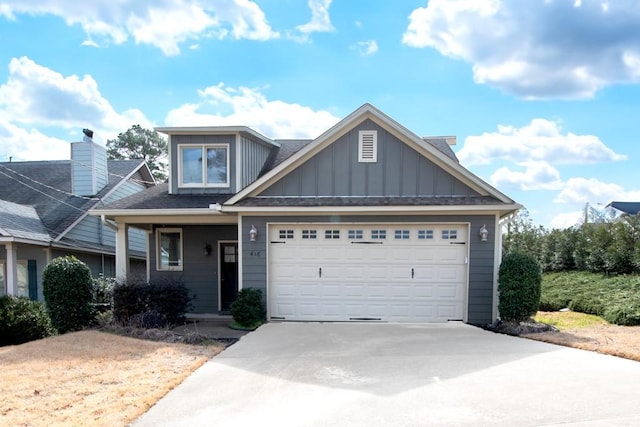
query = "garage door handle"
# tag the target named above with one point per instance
(320, 272)
(457, 243)
(412, 273)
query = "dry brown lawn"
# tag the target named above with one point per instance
(91, 378)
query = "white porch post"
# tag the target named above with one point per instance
(122, 251)
(12, 268)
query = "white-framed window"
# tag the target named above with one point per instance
(169, 249)
(355, 234)
(203, 165)
(449, 234)
(425, 234)
(285, 234)
(331, 234)
(309, 234)
(379, 234)
(402, 234)
(3, 286)
(368, 146)
(23, 279)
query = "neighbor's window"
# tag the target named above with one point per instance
(23, 280)
(204, 165)
(3, 289)
(169, 244)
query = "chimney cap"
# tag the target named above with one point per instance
(88, 132)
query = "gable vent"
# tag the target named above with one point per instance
(368, 146)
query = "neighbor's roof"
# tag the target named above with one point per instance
(45, 187)
(631, 208)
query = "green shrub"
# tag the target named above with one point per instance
(67, 286)
(168, 298)
(247, 310)
(23, 320)
(519, 286)
(588, 305)
(625, 316)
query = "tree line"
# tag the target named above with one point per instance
(607, 244)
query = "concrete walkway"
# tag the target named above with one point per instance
(350, 374)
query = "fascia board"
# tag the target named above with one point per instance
(216, 130)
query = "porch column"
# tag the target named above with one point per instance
(122, 251)
(12, 268)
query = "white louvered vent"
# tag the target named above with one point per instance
(368, 146)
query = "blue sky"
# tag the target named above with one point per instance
(543, 95)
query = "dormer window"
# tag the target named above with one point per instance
(368, 146)
(203, 165)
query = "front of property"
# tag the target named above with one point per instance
(366, 222)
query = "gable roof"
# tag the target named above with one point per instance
(630, 208)
(21, 222)
(43, 188)
(367, 111)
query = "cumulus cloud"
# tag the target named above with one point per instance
(35, 97)
(165, 24)
(366, 48)
(580, 190)
(320, 19)
(566, 220)
(540, 140)
(536, 176)
(249, 107)
(538, 49)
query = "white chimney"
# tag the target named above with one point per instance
(89, 172)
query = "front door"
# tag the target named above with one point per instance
(228, 274)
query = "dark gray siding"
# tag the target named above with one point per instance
(200, 271)
(481, 265)
(254, 154)
(399, 171)
(203, 139)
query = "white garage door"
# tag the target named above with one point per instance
(388, 272)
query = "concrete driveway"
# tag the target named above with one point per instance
(354, 374)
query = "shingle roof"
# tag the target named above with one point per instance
(22, 222)
(158, 197)
(630, 208)
(368, 201)
(46, 187)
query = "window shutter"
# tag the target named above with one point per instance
(368, 146)
(32, 270)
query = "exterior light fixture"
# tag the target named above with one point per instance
(253, 233)
(484, 233)
(207, 250)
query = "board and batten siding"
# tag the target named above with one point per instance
(398, 171)
(481, 254)
(200, 271)
(253, 157)
(177, 140)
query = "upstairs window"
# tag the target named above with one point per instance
(368, 146)
(203, 165)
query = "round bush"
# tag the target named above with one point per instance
(67, 286)
(23, 320)
(519, 286)
(247, 310)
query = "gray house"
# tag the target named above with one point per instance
(44, 214)
(366, 222)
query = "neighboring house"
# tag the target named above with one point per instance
(367, 221)
(43, 215)
(629, 208)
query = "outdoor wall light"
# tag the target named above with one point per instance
(484, 233)
(253, 233)
(207, 250)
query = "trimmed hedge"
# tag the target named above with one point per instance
(67, 286)
(169, 299)
(519, 287)
(23, 320)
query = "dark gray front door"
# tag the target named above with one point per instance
(228, 274)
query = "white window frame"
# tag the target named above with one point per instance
(368, 156)
(22, 286)
(159, 266)
(203, 148)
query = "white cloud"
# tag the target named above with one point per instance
(366, 48)
(21, 144)
(536, 176)
(582, 190)
(320, 20)
(566, 220)
(539, 141)
(535, 49)
(249, 107)
(165, 24)
(37, 97)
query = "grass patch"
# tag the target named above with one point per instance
(615, 298)
(564, 320)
